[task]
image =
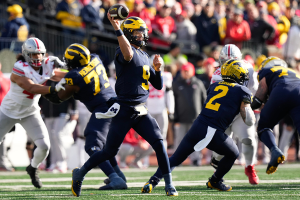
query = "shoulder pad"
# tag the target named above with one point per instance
(245, 89)
(21, 64)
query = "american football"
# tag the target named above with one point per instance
(119, 11)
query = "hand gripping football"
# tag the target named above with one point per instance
(119, 11)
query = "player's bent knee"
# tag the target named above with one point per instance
(42, 144)
(247, 141)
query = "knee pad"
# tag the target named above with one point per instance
(158, 146)
(247, 141)
(42, 144)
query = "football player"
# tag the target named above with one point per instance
(225, 99)
(245, 134)
(279, 90)
(133, 71)
(87, 82)
(20, 105)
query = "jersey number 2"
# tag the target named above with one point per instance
(223, 93)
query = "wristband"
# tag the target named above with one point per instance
(51, 90)
(256, 103)
(119, 32)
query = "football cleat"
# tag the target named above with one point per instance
(218, 186)
(35, 179)
(76, 182)
(214, 163)
(150, 185)
(277, 158)
(252, 176)
(171, 191)
(115, 184)
(106, 181)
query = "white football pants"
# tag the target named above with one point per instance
(36, 130)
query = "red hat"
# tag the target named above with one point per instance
(210, 61)
(187, 67)
(139, 1)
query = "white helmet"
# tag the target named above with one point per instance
(30, 46)
(229, 51)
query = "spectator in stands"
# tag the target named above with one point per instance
(207, 27)
(292, 46)
(230, 11)
(134, 144)
(4, 87)
(163, 26)
(174, 57)
(140, 11)
(247, 5)
(283, 24)
(209, 66)
(90, 14)
(238, 30)
(197, 10)
(17, 26)
(68, 12)
(150, 6)
(187, 109)
(159, 4)
(186, 30)
(221, 12)
(199, 68)
(261, 31)
(263, 12)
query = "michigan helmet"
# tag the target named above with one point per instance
(33, 46)
(77, 55)
(272, 61)
(235, 71)
(229, 51)
(132, 24)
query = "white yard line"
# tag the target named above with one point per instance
(140, 184)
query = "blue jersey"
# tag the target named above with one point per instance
(93, 82)
(223, 104)
(132, 77)
(278, 76)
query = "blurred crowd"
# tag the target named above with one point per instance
(208, 23)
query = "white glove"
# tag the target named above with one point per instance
(60, 84)
(60, 63)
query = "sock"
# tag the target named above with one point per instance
(168, 180)
(82, 171)
(119, 172)
(268, 138)
(106, 168)
(113, 175)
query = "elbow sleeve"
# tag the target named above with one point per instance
(250, 117)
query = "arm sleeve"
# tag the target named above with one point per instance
(156, 79)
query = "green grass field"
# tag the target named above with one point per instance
(189, 182)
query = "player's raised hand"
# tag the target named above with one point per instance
(115, 23)
(157, 62)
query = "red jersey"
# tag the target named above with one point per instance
(4, 86)
(238, 32)
(165, 25)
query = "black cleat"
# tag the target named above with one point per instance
(171, 191)
(115, 184)
(218, 186)
(277, 157)
(77, 180)
(35, 179)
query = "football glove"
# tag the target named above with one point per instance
(58, 61)
(60, 84)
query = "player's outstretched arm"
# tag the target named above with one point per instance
(58, 75)
(123, 42)
(260, 95)
(68, 92)
(29, 85)
(247, 114)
